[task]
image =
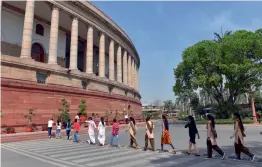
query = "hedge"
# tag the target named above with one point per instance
(225, 121)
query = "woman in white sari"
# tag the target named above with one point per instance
(101, 132)
(91, 131)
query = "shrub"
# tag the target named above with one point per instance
(82, 107)
(30, 115)
(64, 111)
(225, 121)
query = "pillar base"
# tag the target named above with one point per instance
(74, 71)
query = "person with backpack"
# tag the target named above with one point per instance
(68, 128)
(115, 130)
(101, 131)
(239, 138)
(211, 138)
(149, 134)
(191, 125)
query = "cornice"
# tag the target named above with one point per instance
(31, 64)
(93, 16)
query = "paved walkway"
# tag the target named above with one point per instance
(63, 153)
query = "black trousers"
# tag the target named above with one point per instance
(210, 147)
(241, 148)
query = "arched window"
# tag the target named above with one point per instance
(38, 53)
(39, 29)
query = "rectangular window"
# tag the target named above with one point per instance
(84, 84)
(41, 77)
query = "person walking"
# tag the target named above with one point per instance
(77, 117)
(91, 131)
(191, 125)
(132, 129)
(165, 137)
(239, 138)
(50, 125)
(68, 128)
(58, 128)
(126, 118)
(115, 130)
(101, 131)
(149, 134)
(211, 138)
(76, 129)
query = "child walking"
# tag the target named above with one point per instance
(115, 130)
(68, 128)
(58, 128)
(76, 129)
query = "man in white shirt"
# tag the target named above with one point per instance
(50, 125)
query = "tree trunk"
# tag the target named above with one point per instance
(253, 107)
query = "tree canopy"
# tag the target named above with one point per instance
(224, 68)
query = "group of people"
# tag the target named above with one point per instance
(165, 135)
(212, 136)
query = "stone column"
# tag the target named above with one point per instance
(111, 60)
(74, 44)
(129, 70)
(28, 29)
(135, 76)
(125, 67)
(52, 57)
(137, 79)
(132, 73)
(102, 55)
(119, 64)
(89, 51)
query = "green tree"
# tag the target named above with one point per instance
(64, 111)
(224, 69)
(194, 103)
(82, 107)
(168, 105)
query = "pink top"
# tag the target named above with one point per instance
(115, 129)
(76, 126)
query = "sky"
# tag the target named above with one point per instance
(161, 31)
